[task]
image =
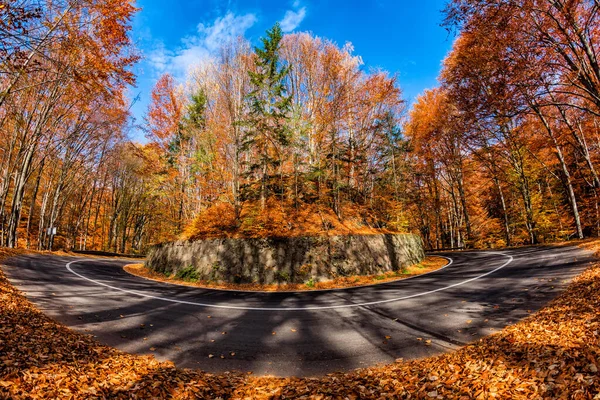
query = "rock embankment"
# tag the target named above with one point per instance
(286, 260)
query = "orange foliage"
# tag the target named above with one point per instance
(165, 112)
(280, 220)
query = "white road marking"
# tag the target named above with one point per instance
(310, 308)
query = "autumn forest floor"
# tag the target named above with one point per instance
(554, 353)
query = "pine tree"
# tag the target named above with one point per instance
(268, 132)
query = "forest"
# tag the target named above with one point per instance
(297, 136)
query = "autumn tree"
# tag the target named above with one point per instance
(512, 76)
(72, 57)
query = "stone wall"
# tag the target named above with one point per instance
(293, 260)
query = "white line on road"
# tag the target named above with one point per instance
(310, 308)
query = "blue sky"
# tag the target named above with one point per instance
(400, 36)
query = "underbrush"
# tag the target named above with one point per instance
(188, 274)
(285, 220)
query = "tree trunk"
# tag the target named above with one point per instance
(566, 175)
(32, 204)
(19, 193)
(504, 211)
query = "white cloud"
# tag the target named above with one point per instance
(225, 29)
(159, 57)
(199, 47)
(292, 19)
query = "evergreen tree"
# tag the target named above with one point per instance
(196, 113)
(268, 132)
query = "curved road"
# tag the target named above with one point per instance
(300, 334)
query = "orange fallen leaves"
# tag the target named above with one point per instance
(554, 353)
(281, 220)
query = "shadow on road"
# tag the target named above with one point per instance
(300, 343)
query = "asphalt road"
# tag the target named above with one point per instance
(302, 334)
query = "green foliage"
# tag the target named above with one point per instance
(267, 125)
(188, 274)
(196, 112)
(215, 272)
(174, 147)
(310, 283)
(282, 276)
(204, 155)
